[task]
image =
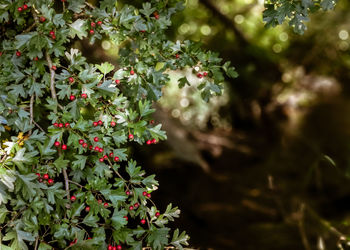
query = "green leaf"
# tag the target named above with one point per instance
(44, 246)
(158, 238)
(105, 68)
(118, 220)
(179, 240)
(91, 220)
(78, 28)
(76, 5)
(80, 162)
(60, 163)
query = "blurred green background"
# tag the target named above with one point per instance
(265, 165)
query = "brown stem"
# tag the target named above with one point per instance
(39, 127)
(302, 228)
(75, 183)
(36, 243)
(54, 96)
(31, 111)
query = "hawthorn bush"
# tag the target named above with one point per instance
(67, 179)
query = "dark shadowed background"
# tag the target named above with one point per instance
(266, 165)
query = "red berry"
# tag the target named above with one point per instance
(71, 79)
(199, 75)
(96, 139)
(73, 198)
(67, 124)
(143, 221)
(92, 32)
(36, 58)
(89, 238)
(83, 95)
(90, 147)
(151, 122)
(0, 53)
(205, 73)
(149, 195)
(177, 56)
(46, 176)
(142, 31)
(119, 247)
(60, 125)
(113, 123)
(116, 158)
(93, 24)
(126, 218)
(37, 174)
(52, 33)
(110, 247)
(157, 214)
(87, 209)
(57, 143)
(132, 72)
(131, 136)
(85, 145)
(18, 53)
(63, 1)
(42, 19)
(99, 23)
(20, 9)
(100, 122)
(100, 150)
(144, 193)
(55, 124)
(131, 207)
(81, 141)
(117, 81)
(53, 67)
(156, 16)
(25, 6)
(149, 142)
(96, 148)
(95, 124)
(106, 204)
(127, 192)
(64, 146)
(101, 159)
(136, 205)
(50, 181)
(105, 157)
(72, 97)
(111, 154)
(99, 201)
(114, 248)
(53, 37)
(40, 180)
(154, 141)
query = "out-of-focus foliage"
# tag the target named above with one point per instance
(296, 12)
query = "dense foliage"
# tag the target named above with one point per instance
(67, 178)
(295, 11)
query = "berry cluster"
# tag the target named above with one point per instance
(45, 177)
(93, 25)
(52, 34)
(201, 75)
(22, 8)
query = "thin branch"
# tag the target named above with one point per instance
(66, 183)
(36, 124)
(31, 111)
(30, 27)
(303, 235)
(36, 243)
(54, 96)
(90, 5)
(75, 183)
